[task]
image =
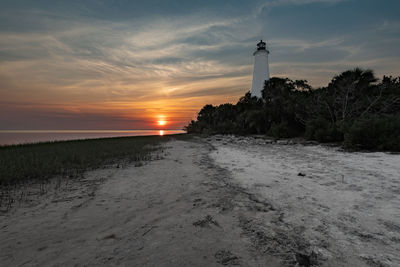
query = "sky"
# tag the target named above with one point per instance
(125, 64)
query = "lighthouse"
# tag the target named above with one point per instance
(261, 69)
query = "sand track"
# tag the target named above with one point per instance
(176, 211)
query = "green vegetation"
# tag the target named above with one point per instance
(42, 161)
(355, 109)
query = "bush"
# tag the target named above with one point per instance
(283, 130)
(374, 133)
(322, 130)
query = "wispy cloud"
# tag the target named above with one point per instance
(269, 4)
(134, 63)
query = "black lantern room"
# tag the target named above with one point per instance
(261, 45)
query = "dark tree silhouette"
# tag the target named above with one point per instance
(354, 109)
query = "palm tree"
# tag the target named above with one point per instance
(347, 93)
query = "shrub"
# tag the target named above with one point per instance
(374, 133)
(283, 130)
(322, 130)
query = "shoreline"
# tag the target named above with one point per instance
(28, 137)
(268, 139)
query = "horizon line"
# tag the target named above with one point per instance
(87, 130)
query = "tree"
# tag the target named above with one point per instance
(354, 107)
(348, 94)
(283, 102)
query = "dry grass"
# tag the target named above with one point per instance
(42, 161)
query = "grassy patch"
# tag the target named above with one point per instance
(42, 161)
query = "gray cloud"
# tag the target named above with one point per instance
(125, 54)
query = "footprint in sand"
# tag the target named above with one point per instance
(225, 257)
(206, 222)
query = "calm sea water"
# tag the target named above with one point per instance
(22, 137)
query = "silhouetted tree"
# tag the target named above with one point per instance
(354, 108)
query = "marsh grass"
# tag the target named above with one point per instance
(29, 172)
(41, 161)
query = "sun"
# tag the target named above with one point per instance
(161, 122)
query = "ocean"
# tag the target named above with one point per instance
(10, 137)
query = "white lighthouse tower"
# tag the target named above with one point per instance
(261, 69)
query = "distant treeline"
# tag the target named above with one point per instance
(355, 108)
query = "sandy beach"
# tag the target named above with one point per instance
(218, 201)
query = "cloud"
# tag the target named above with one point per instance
(105, 69)
(116, 54)
(108, 58)
(277, 3)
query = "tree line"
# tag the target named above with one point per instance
(355, 109)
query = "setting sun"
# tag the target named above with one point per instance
(161, 120)
(161, 123)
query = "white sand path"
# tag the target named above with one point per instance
(169, 212)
